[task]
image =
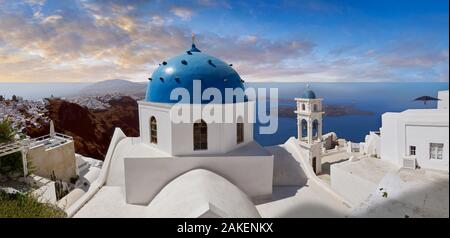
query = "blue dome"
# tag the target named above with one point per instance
(309, 94)
(180, 72)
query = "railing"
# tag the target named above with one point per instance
(46, 140)
(10, 148)
(46, 137)
(25, 144)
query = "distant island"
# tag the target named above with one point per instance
(331, 110)
(114, 86)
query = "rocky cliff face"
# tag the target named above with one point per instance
(91, 130)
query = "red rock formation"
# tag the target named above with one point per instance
(91, 130)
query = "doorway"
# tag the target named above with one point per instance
(314, 161)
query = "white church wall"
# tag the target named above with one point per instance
(248, 132)
(164, 128)
(145, 177)
(183, 139)
(222, 137)
(229, 136)
(229, 130)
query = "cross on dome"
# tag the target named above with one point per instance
(194, 48)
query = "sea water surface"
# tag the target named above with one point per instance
(374, 97)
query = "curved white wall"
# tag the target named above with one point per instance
(205, 194)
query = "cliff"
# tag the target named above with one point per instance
(91, 130)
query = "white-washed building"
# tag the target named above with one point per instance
(417, 137)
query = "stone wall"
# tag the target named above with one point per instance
(60, 159)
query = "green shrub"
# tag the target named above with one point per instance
(27, 206)
(11, 163)
(7, 133)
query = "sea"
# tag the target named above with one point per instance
(377, 98)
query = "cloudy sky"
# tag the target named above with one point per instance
(285, 40)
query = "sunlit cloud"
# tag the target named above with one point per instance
(184, 14)
(90, 40)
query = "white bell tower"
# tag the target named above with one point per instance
(309, 127)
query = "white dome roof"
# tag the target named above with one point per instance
(201, 193)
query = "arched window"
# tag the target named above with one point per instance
(240, 130)
(303, 107)
(315, 108)
(315, 127)
(200, 136)
(304, 128)
(153, 131)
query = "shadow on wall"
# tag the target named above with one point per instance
(286, 169)
(327, 165)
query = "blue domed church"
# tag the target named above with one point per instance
(182, 70)
(192, 159)
(195, 104)
(195, 155)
